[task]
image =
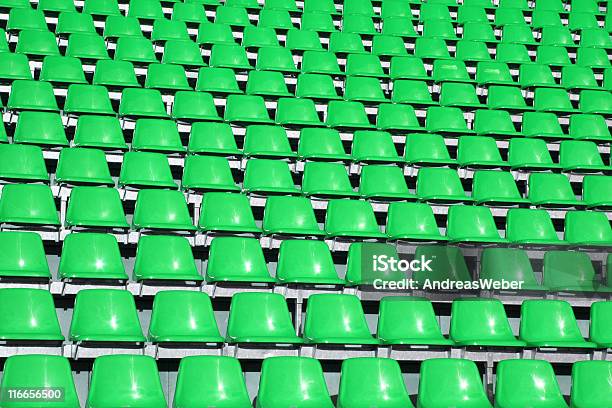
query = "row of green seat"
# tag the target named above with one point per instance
(127, 380)
(109, 315)
(101, 207)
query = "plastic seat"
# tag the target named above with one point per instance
(472, 51)
(229, 56)
(148, 10)
(589, 126)
(166, 77)
(292, 381)
(137, 102)
(347, 114)
(217, 80)
(290, 215)
(510, 264)
(246, 109)
(161, 209)
(529, 154)
(315, 265)
(361, 272)
(225, 385)
(595, 102)
(115, 74)
(482, 228)
(351, 218)
(407, 68)
(101, 7)
(95, 207)
(137, 50)
(321, 144)
(214, 33)
(121, 26)
(587, 228)
(373, 147)
(589, 383)
(14, 66)
(491, 187)
(30, 315)
(558, 36)
(61, 70)
(182, 52)
(41, 371)
(160, 257)
(531, 227)
(25, 255)
(511, 53)
(494, 123)
(346, 43)
(493, 72)
(25, 19)
(91, 256)
(296, 112)
(459, 94)
(212, 138)
(320, 62)
(387, 46)
(450, 71)
(156, 135)
(508, 98)
(56, 6)
(479, 31)
(32, 95)
(588, 57)
(22, 163)
(336, 319)
(446, 382)
(431, 48)
(174, 29)
(87, 46)
(599, 329)
(423, 149)
(260, 318)
(322, 179)
(276, 19)
(303, 40)
(552, 55)
(319, 22)
(481, 322)
(527, 383)
(188, 13)
(509, 15)
(364, 65)
(275, 59)
(595, 37)
(536, 75)
(88, 99)
(581, 156)
(226, 212)
(316, 86)
(412, 222)
(411, 92)
(383, 183)
(552, 100)
(264, 176)
(438, 184)
(41, 128)
(576, 78)
(255, 37)
(237, 259)
(569, 271)
(542, 124)
(208, 173)
(102, 132)
(28, 204)
(546, 189)
(396, 117)
(191, 106)
(36, 43)
(266, 141)
(369, 380)
(119, 380)
(439, 29)
(409, 321)
(596, 191)
(234, 16)
(83, 166)
(442, 119)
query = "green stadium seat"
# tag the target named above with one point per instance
(316, 86)
(596, 102)
(276, 19)
(591, 57)
(225, 384)
(375, 381)
(246, 109)
(527, 383)
(493, 187)
(569, 271)
(450, 71)
(71, 22)
(214, 33)
(596, 191)
(156, 135)
(162, 209)
(387, 46)
(292, 381)
(319, 22)
(83, 166)
(351, 218)
(347, 114)
(589, 383)
(260, 318)
(88, 99)
(212, 138)
(306, 262)
(554, 190)
(14, 66)
(451, 382)
(323, 179)
(336, 319)
(509, 98)
(121, 26)
(459, 94)
(145, 169)
(581, 156)
(237, 259)
(589, 127)
(412, 222)
(434, 11)
(385, 183)
(115, 74)
(346, 43)
(473, 51)
(226, 212)
(493, 72)
(443, 119)
(208, 173)
(480, 228)
(496, 123)
(371, 146)
(577, 78)
(41, 128)
(407, 68)
(102, 132)
(511, 53)
(510, 264)
(288, 5)
(558, 36)
(587, 228)
(95, 207)
(56, 5)
(303, 40)
(182, 52)
(166, 77)
(531, 227)
(361, 272)
(529, 154)
(145, 10)
(439, 29)
(447, 263)
(229, 56)
(25, 19)
(536, 75)
(423, 149)
(28, 204)
(291, 216)
(552, 100)
(22, 163)
(411, 92)
(275, 59)
(164, 30)
(396, 8)
(36, 44)
(136, 102)
(88, 47)
(545, 18)
(431, 48)
(191, 106)
(90, 256)
(600, 328)
(396, 117)
(595, 37)
(137, 50)
(32, 95)
(41, 371)
(188, 13)
(364, 65)
(125, 380)
(264, 176)
(509, 15)
(550, 5)
(167, 258)
(552, 55)
(320, 6)
(321, 144)
(481, 322)
(409, 321)
(24, 255)
(61, 70)
(542, 124)
(266, 141)
(296, 112)
(217, 80)
(551, 323)
(30, 316)
(440, 184)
